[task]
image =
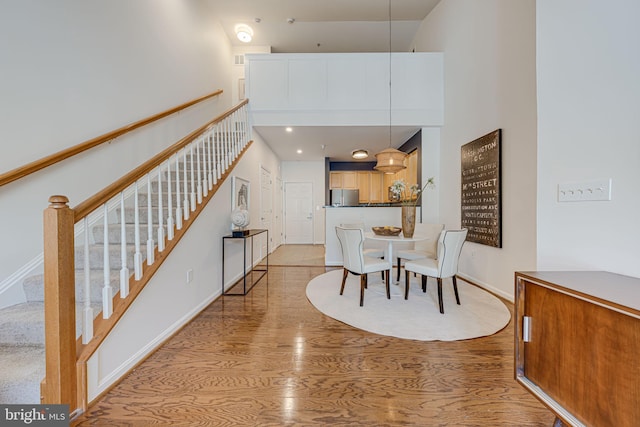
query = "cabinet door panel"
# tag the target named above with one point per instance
(376, 188)
(412, 168)
(364, 185)
(349, 180)
(584, 356)
(335, 180)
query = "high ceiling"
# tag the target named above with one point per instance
(322, 26)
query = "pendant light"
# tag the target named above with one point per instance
(390, 160)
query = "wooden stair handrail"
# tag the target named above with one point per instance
(52, 159)
(92, 203)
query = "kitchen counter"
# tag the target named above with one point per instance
(370, 216)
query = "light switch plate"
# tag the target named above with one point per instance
(585, 191)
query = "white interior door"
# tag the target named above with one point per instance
(278, 214)
(298, 212)
(266, 207)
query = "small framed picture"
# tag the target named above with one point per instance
(240, 193)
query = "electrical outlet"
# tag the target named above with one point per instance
(189, 275)
(585, 191)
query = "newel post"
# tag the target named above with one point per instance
(59, 386)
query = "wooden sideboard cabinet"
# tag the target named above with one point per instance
(577, 345)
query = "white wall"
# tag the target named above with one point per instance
(74, 70)
(489, 63)
(588, 115)
(312, 172)
(430, 199)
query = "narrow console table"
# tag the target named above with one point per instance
(577, 341)
(253, 275)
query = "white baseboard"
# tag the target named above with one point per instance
(11, 291)
(488, 287)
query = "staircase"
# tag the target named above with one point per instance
(22, 354)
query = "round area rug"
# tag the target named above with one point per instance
(418, 318)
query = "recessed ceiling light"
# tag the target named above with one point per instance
(244, 33)
(289, 129)
(299, 151)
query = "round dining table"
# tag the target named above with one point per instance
(391, 240)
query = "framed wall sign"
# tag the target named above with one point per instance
(481, 195)
(240, 193)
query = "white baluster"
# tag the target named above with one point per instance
(205, 164)
(160, 213)
(150, 243)
(248, 130)
(137, 258)
(227, 145)
(230, 130)
(87, 313)
(124, 270)
(178, 200)
(170, 224)
(217, 150)
(185, 182)
(232, 153)
(211, 160)
(227, 122)
(236, 143)
(199, 175)
(193, 181)
(244, 127)
(107, 302)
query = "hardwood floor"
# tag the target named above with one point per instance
(298, 255)
(271, 359)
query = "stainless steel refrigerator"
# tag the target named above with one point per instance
(345, 197)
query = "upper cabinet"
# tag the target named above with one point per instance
(369, 183)
(333, 89)
(346, 180)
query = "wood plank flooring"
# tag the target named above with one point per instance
(271, 359)
(298, 255)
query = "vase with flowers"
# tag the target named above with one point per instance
(409, 196)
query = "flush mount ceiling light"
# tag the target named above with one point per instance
(360, 154)
(244, 33)
(390, 160)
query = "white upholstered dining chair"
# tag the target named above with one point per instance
(449, 248)
(369, 248)
(355, 262)
(372, 249)
(423, 248)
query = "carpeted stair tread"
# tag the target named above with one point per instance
(34, 285)
(23, 324)
(23, 367)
